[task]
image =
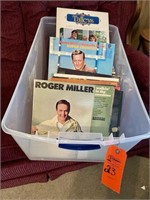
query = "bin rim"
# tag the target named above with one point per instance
(104, 141)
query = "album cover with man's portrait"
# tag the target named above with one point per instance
(78, 55)
(69, 107)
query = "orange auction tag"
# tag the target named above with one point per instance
(113, 168)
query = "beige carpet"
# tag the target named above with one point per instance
(85, 184)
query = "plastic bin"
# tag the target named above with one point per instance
(135, 123)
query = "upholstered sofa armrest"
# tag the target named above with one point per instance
(139, 63)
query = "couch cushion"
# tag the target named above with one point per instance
(40, 178)
(11, 70)
(13, 43)
(141, 149)
(10, 151)
(13, 55)
(31, 171)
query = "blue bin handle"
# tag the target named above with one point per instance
(80, 147)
